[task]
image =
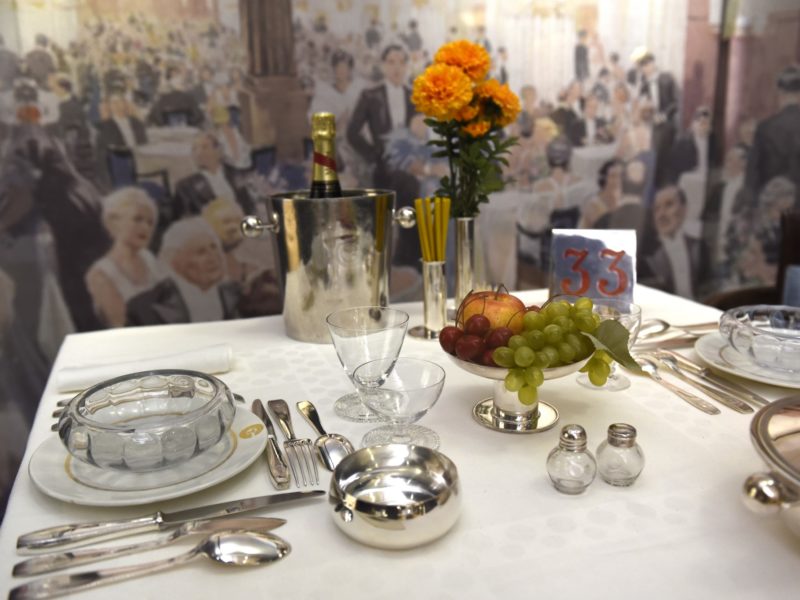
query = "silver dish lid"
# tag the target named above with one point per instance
(775, 433)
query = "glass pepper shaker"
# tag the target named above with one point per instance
(620, 460)
(570, 465)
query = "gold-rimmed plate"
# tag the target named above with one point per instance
(58, 475)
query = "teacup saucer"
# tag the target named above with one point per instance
(58, 475)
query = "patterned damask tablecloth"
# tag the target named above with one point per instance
(680, 532)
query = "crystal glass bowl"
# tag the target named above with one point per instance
(147, 421)
(769, 335)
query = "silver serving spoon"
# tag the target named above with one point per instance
(56, 561)
(240, 549)
(331, 447)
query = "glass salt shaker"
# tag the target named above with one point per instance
(570, 465)
(619, 458)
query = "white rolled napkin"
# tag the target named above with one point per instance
(212, 359)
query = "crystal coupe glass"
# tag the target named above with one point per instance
(630, 316)
(360, 335)
(402, 394)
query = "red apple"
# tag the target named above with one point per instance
(498, 307)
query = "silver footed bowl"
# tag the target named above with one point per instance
(147, 421)
(767, 334)
(395, 496)
(499, 373)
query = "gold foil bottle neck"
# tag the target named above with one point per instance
(323, 124)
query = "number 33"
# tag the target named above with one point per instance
(603, 285)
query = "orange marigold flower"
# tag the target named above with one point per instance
(503, 104)
(441, 91)
(477, 128)
(470, 58)
(469, 112)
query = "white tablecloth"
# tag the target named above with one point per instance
(680, 532)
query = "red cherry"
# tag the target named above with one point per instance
(477, 325)
(486, 358)
(469, 347)
(448, 338)
(498, 337)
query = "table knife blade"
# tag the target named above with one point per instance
(278, 468)
(61, 535)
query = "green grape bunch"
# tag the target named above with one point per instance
(552, 337)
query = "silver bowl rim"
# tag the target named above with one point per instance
(339, 494)
(764, 445)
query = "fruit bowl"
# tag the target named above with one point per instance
(499, 373)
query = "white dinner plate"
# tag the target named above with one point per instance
(717, 353)
(53, 470)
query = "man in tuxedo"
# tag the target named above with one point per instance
(566, 113)
(776, 143)
(691, 149)
(382, 109)
(175, 100)
(725, 203)
(195, 290)
(661, 90)
(214, 179)
(591, 128)
(39, 62)
(122, 129)
(676, 265)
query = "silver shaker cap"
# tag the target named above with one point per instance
(622, 435)
(572, 438)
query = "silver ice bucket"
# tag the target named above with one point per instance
(334, 254)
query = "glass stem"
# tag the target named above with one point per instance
(401, 433)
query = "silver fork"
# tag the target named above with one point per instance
(299, 451)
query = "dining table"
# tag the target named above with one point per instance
(680, 531)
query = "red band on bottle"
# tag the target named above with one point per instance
(325, 161)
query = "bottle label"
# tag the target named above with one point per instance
(325, 161)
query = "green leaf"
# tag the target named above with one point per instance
(612, 337)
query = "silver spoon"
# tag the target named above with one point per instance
(655, 327)
(240, 549)
(651, 369)
(331, 447)
(56, 561)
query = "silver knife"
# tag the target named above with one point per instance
(723, 398)
(278, 469)
(52, 537)
(56, 561)
(724, 384)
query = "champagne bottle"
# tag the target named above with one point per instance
(324, 178)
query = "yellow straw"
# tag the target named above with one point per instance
(445, 223)
(422, 229)
(438, 225)
(428, 226)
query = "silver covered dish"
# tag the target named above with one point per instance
(775, 433)
(395, 496)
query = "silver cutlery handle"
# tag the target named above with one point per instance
(309, 411)
(62, 535)
(47, 563)
(280, 409)
(723, 398)
(695, 401)
(277, 468)
(50, 587)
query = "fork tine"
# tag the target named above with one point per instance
(300, 461)
(310, 458)
(292, 460)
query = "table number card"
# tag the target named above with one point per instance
(599, 263)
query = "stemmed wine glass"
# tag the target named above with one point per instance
(360, 335)
(629, 315)
(402, 394)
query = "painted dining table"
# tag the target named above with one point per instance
(681, 531)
